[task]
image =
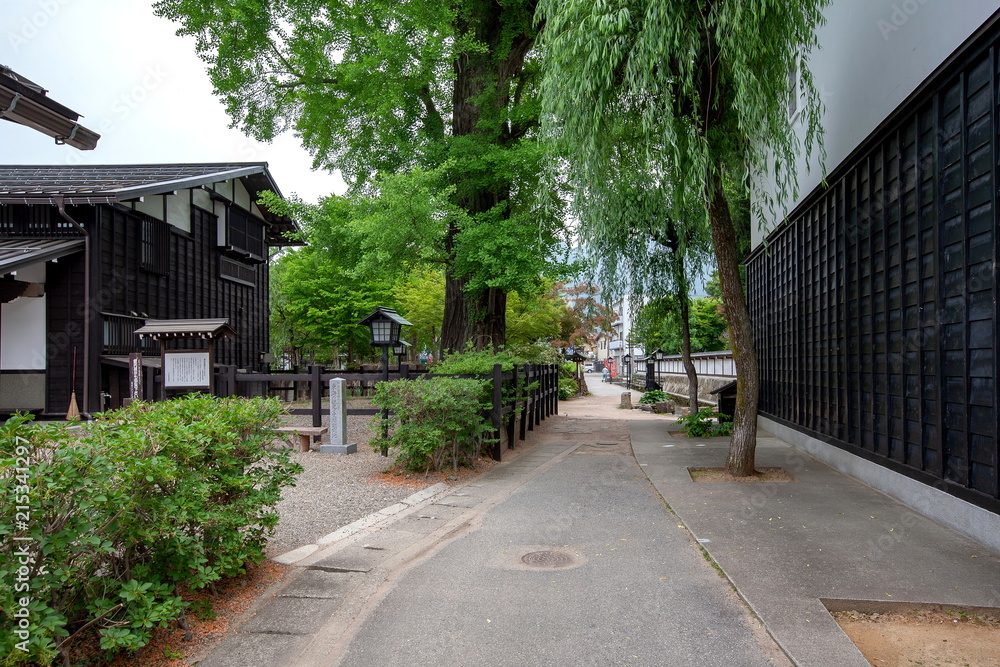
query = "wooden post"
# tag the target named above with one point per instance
(134, 378)
(511, 420)
(536, 399)
(316, 389)
(555, 391)
(497, 410)
(230, 380)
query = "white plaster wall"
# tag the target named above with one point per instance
(224, 188)
(240, 196)
(201, 199)
(872, 55)
(179, 210)
(151, 206)
(22, 334)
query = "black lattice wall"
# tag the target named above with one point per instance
(875, 307)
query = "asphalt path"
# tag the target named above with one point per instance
(623, 584)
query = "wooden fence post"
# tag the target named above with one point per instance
(526, 411)
(230, 380)
(497, 410)
(316, 389)
(555, 390)
(512, 419)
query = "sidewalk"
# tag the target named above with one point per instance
(566, 555)
(788, 546)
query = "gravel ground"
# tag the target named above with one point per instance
(334, 490)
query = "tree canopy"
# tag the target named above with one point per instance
(438, 97)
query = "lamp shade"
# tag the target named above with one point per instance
(385, 325)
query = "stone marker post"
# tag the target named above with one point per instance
(626, 403)
(338, 420)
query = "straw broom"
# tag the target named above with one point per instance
(73, 411)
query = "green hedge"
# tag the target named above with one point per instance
(99, 526)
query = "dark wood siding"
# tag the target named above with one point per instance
(190, 285)
(875, 306)
(65, 315)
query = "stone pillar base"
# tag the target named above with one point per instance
(339, 449)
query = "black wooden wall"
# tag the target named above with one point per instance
(875, 307)
(188, 285)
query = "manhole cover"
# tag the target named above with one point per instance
(547, 559)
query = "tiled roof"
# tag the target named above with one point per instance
(35, 184)
(16, 253)
(108, 184)
(210, 328)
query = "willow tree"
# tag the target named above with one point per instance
(704, 85)
(634, 242)
(379, 87)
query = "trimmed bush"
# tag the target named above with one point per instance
(433, 419)
(99, 527)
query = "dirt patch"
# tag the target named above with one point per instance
(396, 476)
(930, 637)
(720, 475)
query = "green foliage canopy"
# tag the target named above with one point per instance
(430, 111)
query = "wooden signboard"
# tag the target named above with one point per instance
(186, 369)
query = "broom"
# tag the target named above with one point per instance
(73, 411)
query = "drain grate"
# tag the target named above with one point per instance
(547, 559)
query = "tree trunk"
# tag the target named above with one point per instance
(491, 327)
(742, 450)
(455, 324)
(692, 374)
(482, 92)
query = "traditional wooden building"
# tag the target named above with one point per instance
(89, 253)
(875, 302)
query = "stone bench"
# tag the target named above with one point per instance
(305, 434)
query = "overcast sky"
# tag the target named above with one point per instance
(138, 85)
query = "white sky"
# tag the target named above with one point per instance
(138, 85)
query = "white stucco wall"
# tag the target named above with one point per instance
(872, 55)
(22, 334)
(151, 205)
(179, 210)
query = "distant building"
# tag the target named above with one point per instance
(89, 253)
(875, 304)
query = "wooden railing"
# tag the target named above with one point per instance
(532, 393)
(120, 338)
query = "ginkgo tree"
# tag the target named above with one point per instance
(703, 85)
(447, 91)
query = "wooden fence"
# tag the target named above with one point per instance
(512, 417)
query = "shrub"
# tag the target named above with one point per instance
(433, 418)
(700, 424)
(106, 523)
(476, 362)
(568, 388)
(653, 397)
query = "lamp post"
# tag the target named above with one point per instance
(627, 360)
(657, 356)
(385, 325)
(399, 349)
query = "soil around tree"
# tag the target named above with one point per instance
(931, 637)
(720, 475)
